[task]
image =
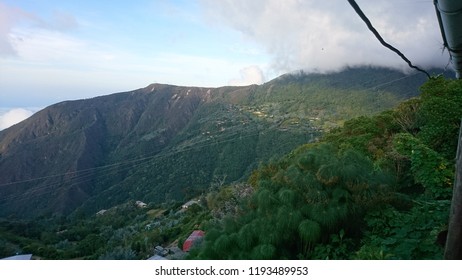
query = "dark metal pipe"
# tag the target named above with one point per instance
(449, 13)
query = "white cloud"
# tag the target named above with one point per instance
(249, 75)
(328, 35)
(51, 62)
(44, 61)
(13, 116)
(59, 66)
(11, 16)
(42, 45)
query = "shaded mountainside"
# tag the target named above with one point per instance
(167, 142)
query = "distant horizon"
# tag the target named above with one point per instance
(65, 50)
(10, 116)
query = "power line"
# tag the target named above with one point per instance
(391, 82)
(124, 165)
(381, 40)
(195, 145)
(85, 175)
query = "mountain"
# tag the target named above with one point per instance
(164, 142)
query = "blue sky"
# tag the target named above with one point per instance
(52, 51)
(76, 49)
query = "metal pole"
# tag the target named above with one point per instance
(453, 249)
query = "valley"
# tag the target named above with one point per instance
(225, 147)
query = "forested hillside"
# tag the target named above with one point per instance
(375, 185)
(377, 188)
(164, 142)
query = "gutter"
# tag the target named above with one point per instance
(449, 14)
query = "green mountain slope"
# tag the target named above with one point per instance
(166, 142)
(378, 187)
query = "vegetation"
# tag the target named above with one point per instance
(122, 232)
(165, 142)
(378, 186)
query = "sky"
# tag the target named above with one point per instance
(56, 50)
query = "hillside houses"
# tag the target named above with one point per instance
(190, 203)
(196, 237)
(140, 204)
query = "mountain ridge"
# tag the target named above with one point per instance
(97, 152)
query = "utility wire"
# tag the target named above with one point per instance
(125, 165)
(234, 130)
(84, 175)
(381, 40)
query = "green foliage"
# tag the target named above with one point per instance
(376, 188)
(122, 232)
(356, 194)
(440, 115)
(338, 247)
(429, 167)
(406, 115)
(369, 252)
(284, 213)
(407, 235)
(310, 233)
(119, 253)
(264, 252)
(7, 248)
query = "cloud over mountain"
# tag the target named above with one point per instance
(328, 35)
(248, 75)
(13, 116)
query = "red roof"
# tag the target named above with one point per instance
(195, 235)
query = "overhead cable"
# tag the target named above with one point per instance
(381, 40)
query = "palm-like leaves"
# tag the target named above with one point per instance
(309, 231)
